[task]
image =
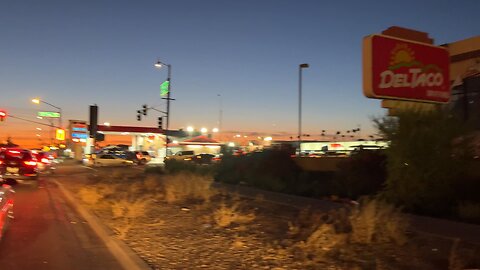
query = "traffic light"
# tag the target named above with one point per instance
(3, 115)
(139, 115)
(93, 126)
(160, 122)
(145, 109)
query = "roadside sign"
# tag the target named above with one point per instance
(164, 88)
(60, 134)
(401, 69)
(49, 114)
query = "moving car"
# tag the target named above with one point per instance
(45, 162)
(182, 156)
(6, 207)
(143, 156)
(111, 160)
(18, 165)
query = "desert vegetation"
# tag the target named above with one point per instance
(180, 220)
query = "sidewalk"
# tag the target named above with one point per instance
(433, 226)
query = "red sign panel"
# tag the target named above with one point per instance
(396, 68)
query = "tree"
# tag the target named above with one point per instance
(424, 160)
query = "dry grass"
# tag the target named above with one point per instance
(225, 215)
(89, 195)
(127, 213)
(183, 186)
(352, 237)
(375, 221)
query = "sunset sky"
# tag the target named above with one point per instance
(242, 54)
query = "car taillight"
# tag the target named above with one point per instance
(45, 160)
(30, 163)
(1, 162)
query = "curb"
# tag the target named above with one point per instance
(124, 255)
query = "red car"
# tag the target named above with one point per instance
(6, 208)
(45, 162)
(18, 165)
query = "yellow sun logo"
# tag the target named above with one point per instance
(401, 54)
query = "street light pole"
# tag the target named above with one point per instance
(220, 112)
(159, 64)
(37, 101)
(300, 67)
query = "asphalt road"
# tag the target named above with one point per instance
(47, 233)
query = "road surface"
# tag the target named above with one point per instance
(48, 233)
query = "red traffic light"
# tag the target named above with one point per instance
(3, 114)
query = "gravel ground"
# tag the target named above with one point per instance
(184, 235)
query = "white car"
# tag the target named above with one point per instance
(111, 160)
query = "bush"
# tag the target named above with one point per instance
(424, 162)
(176, 166)
(271, 170)
(364, 173)
(184, 186)
(154, 170)
(469, 211)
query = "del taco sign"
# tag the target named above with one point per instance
(396, 68)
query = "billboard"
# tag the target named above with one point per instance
(395, 68)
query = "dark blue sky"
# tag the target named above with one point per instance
(76, 53)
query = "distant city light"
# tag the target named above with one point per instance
(231, 144)
(39, 129)
(204, 130)
(106, 124)
(190, 129)
(268, 139)
(215, 130)
(238, 135)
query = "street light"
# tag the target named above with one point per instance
(159, 65)
(300, 67)
(38, 101)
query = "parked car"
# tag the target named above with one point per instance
(203, 158)
(18, 165)
(128, 155)
(182, 155)
(6, 207)
(143, 156)
(45, 162)
(111, 160)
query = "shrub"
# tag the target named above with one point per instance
(424, 163)
(364, 173)
(375, 221)
(177, 166)
(227, 215)
(271, 170)
(469, 211)
(154, 170)
(350, 237)
(183, 186)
